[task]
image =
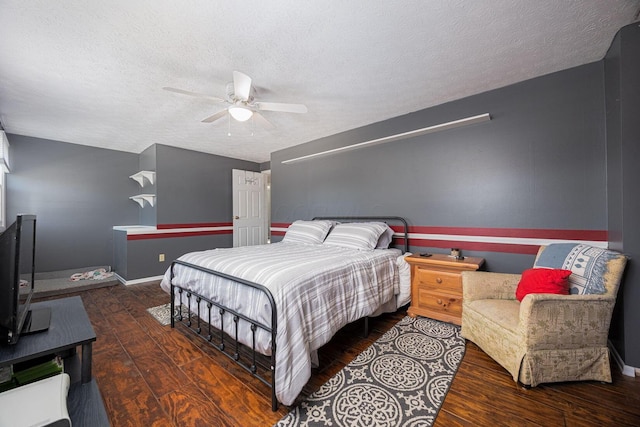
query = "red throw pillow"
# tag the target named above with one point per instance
(543, 281)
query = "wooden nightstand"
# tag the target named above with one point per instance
(436, 286)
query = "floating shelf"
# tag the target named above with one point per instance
(141, 176)
(141, 198)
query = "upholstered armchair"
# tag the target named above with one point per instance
(547, 337)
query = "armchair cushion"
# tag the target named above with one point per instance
(589, 265)
(543, 281)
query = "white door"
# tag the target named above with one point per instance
(249, 217)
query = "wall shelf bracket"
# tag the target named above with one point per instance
(140, 177)
(141, 198)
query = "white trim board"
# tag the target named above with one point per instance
(503, 240)
(138, 281)
(627, 370)
(410, 134)
(149, 229)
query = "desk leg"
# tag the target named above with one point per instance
(85, 374)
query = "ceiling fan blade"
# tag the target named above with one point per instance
(199, 95)
(216, 116)
(259, 118)
(241, 85)
(285, 108)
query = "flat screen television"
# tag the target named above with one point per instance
(17, 281)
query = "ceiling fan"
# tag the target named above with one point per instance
(243, 105)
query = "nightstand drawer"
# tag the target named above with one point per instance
(440, 302)
(439, 279)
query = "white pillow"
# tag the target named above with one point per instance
(385, 238)
(310, 232)
(356, 235)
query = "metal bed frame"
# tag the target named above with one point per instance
(259, 366)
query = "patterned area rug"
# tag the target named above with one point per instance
(400, 380)
(162, 313)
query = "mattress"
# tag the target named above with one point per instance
(317, 290)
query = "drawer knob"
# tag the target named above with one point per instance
(439, 301)
(439, 280)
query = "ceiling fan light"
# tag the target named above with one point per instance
(241, 114)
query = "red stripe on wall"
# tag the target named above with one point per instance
(280, 224)
(194, 225)
(176, 234)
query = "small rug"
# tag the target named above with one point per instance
(400, 380)
(97, 274)
(162, 313)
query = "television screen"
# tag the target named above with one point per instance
(26, 263)
(7, 272)
(17, 251)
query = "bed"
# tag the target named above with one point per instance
(270, 307)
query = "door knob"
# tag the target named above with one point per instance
(236, 217)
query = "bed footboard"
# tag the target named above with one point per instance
(200, 323)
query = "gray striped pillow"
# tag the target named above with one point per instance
(356, 235)
(311, 232)
(385, 238)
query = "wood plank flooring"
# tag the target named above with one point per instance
(152, 375)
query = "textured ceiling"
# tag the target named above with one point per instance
(92, 72)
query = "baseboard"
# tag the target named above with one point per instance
(138, 281)
(627, 370)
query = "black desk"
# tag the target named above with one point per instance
(70, 327)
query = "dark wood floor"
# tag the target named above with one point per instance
(152, 375)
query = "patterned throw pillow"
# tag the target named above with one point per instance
(310, 232)
(588, 265)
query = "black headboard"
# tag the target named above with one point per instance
(386, 219)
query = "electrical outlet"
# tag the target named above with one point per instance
(161, 258)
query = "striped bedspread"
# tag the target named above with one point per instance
(317, 289)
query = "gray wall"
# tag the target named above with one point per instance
(560, 153)
(142, 255)
(192, 188)
(622, 83)
(195, 187)
(120, 252)
(147, 162)
(78, 194)
(537, 164)
(265, 166)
